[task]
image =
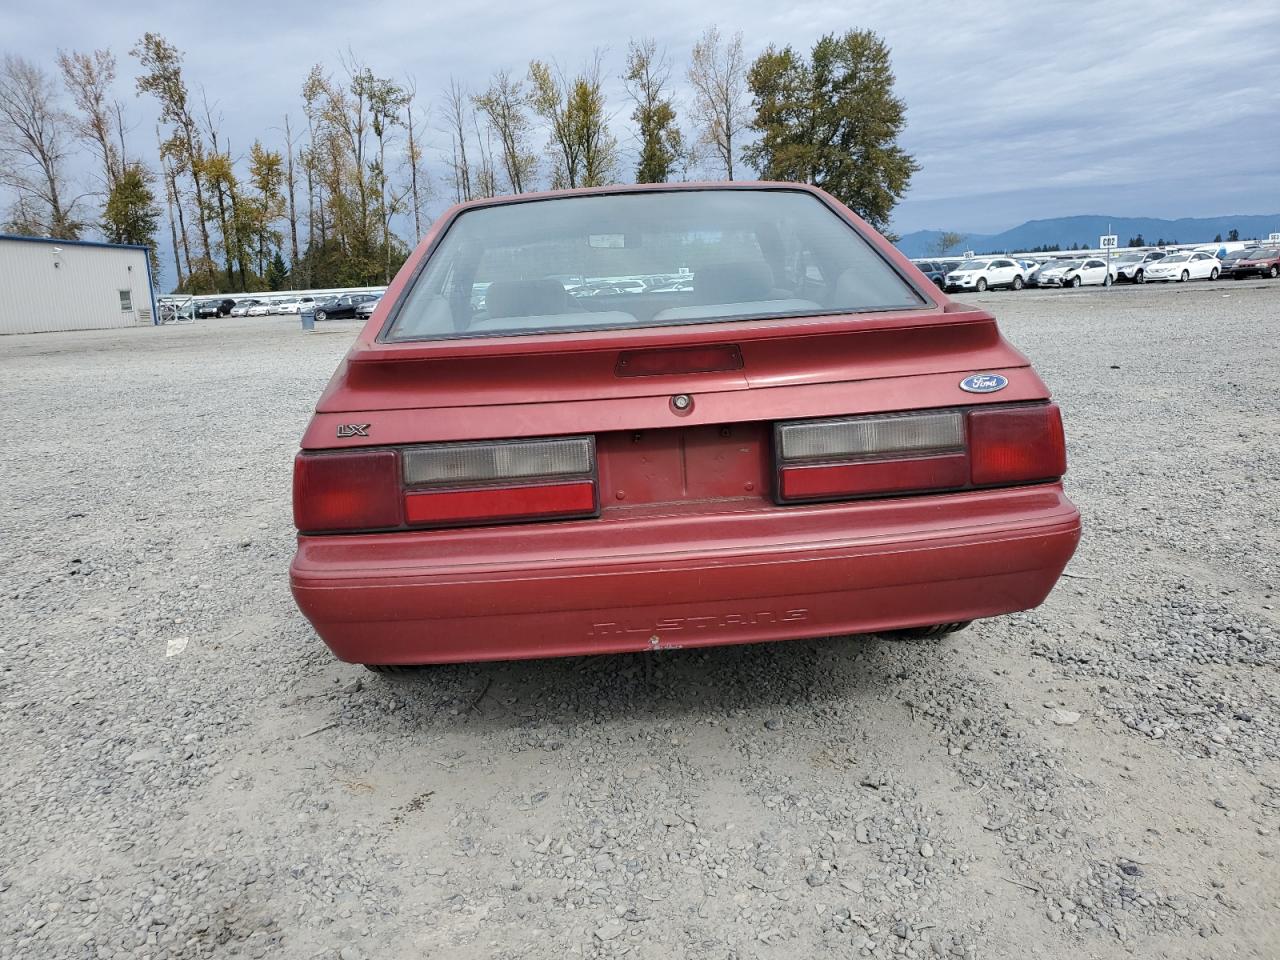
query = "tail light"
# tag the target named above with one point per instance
(347, 490)
(445, 484)
(460, 483)
(1016, 445)
(929, 451)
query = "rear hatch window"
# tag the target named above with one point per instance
(644, 259)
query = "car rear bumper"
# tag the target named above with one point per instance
(664, 580)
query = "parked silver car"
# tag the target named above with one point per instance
(1132, 267)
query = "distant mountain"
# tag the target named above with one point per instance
(1062, 232)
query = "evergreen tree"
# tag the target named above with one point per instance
(832, 120)
(131, 214)
(277, 273)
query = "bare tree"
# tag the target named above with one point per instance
(599, 146)
(219, 172)
(413, 157)
(171, 200)
(503, 104)
(386, 98)
(718, 75)
(945, 241)
(458, 116)
(312, 89)
(23, 218)
(163, 80)
(34, 135)
(292, 187)
(88, 78)
(347, 111)
(486, 178)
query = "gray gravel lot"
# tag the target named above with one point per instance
(188, 773)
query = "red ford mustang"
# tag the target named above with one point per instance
(643, 418)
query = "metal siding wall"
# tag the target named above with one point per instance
(81, 293)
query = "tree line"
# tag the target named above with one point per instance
(323, 199)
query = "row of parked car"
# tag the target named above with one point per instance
(333, 307)
(1130, 266)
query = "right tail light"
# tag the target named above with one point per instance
(920, 452)
(1017, 444)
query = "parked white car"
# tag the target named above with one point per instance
(1092, 272)
(1132, 267)
(981, 274)
(295, 306)
(259, 310)
(1184, 266)
(242, 307)
(1051, 273)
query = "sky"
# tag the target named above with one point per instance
(1015, 110)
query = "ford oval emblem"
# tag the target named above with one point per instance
(984, 383)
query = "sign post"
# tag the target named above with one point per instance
(1108, 243)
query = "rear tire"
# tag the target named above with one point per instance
(1107, 282)
(934, 632)
(321, 315)
(981, 285)
(1017, 283)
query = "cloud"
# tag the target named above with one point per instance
(1015, 109)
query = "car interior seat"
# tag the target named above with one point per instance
(528, 298)
(736, 282)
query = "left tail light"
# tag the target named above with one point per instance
(347, 490)
(919, 452)
(445, 484)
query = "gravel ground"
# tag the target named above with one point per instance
(188, 773)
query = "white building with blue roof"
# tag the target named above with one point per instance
(48, 285)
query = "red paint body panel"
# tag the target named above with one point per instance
(690, 547)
